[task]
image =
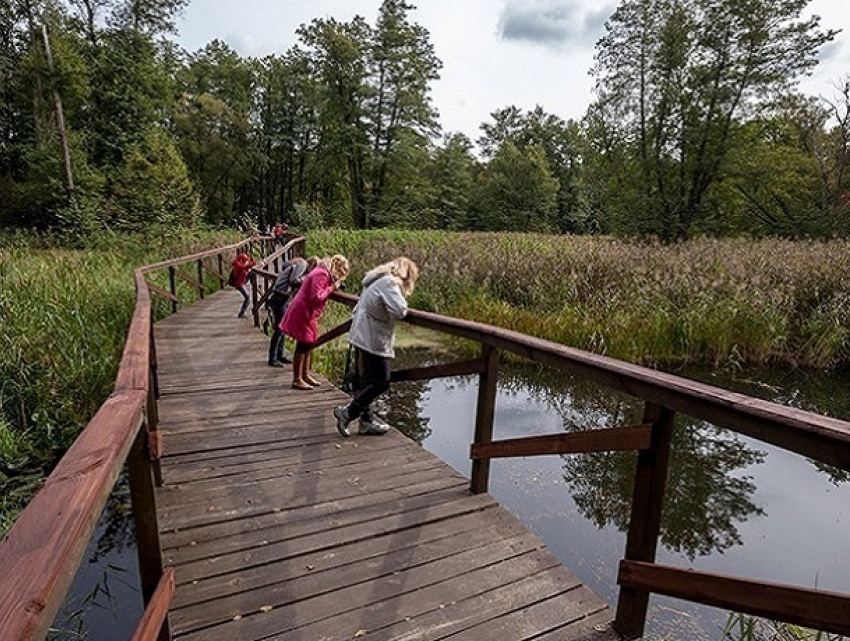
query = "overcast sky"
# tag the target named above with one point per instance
(495, 53)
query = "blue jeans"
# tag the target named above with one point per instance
(247, 299)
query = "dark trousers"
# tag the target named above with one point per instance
(374, 381)
(246, 299)
(278, 305)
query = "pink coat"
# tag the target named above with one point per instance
(301, 320)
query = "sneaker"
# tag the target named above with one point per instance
(342, 420)
(275, 364)
(373, 426)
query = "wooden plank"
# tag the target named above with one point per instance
(462, 368)
(154, 616)
(442, 610)
(498, 558)
(277, 527)
(352, 561)
(816, 609)
(188, 279)
(636, 437)
(331, 334)
(159, 291)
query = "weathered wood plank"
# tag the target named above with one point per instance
(278, 528)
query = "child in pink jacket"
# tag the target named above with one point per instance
(301, 320)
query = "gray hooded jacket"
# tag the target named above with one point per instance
(373, 323)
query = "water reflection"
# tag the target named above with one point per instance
(734, 505)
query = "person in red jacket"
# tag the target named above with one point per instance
(242, 264)
(301, 320)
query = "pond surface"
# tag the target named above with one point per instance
(734, 505)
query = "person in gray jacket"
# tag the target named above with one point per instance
(372, 333)
(288, 281)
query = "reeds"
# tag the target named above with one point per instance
(711, 301)
(64, 315)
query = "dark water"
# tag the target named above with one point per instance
(105, 599)
(734, 505)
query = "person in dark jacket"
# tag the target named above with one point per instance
(242, 265)
(288, 281)
(372, 333)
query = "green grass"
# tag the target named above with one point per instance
(65, 314)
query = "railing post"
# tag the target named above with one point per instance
(201, 288)
(172, 280)
(484, 416)
(143, 500)
(221, 280)
(645, 522)
(254, 298)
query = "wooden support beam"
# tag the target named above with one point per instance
(635, 437)
(461, 368)
(187, 279)
(154, 621)
(484, 415)
(214, 272)
(331, 334)
(159, 291)
(645, 521)
(816, 609)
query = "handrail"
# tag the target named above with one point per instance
(819, 437)
(42, 551)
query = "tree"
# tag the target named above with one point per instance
(558, 140)
(337, 57)
(452, 174)
(516, 192)
(673, 78)
(147, 16)
(398, 114)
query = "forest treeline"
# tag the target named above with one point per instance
(695, 129)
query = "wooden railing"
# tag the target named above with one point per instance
(818, 437)
(41, 553)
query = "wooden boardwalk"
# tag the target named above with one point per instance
(280, 529)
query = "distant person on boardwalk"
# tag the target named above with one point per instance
(301, 320)
(280, 233)
(382, 303)
(242, 264)
(288, 281)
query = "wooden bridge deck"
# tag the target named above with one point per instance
(279, 528)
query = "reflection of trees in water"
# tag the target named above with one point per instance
(705, 498)
(116, 522)
(819, 392)
(402, 404)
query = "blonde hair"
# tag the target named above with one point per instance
(402, 269)
(337, 265)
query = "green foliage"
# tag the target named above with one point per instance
(726, 302)
(517, 192)
(673, 76)
(65, 317)
(153, 186)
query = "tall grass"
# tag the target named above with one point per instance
(64, 314)
(730, 301)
